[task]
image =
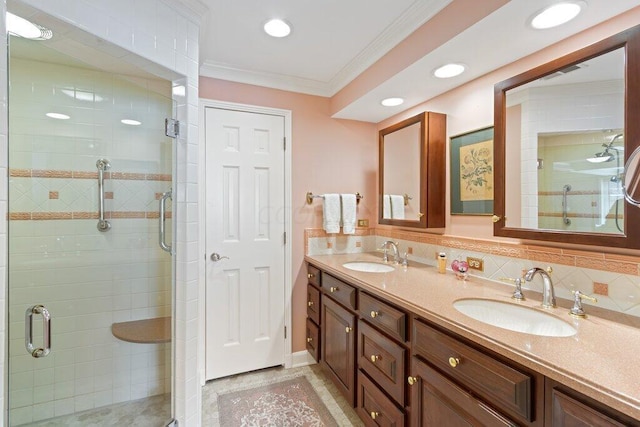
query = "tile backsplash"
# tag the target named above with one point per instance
(613, 279)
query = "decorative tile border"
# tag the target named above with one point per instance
(50, 173)
(49, 216)
(613, 263)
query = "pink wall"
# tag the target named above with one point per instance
(328, 156)
(331, 155)
(470, 107)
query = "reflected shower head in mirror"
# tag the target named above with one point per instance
(606, 155)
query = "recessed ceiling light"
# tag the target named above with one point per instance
(556, 14)
(277, 28)
(20, 27)
(449, 70)
(58, 116)
(130, 122)
(392, 102)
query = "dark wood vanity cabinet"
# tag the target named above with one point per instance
(313, 312)
(568, 408)
(401, 370)
(484, 388)
(338, 334)
(382, 363)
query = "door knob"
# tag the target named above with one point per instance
(215, 257)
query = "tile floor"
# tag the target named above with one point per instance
(155, 411)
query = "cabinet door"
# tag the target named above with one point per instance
(437, 401)
(339, 347)
(313, 304)
(566, 408)
(313, 340)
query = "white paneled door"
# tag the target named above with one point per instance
(245, 226)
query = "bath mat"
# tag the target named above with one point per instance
(291, 403)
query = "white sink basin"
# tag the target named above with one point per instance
(368, 267)
(514, 317)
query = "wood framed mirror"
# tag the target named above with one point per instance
(563, 132)
(412, 172)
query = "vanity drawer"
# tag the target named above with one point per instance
(491, 379)
(313, 303)
(374, 408)
(383, 360)
(313, 275)
(389, 319)
(313, 339)
(338, 290)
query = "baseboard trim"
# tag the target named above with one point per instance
(302, 358)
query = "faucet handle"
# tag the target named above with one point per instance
(517, 293)
(577, 310)
(405, 260)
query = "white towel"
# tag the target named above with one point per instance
(397, 206)
(386, 206)
(331, 213)
(349, 202)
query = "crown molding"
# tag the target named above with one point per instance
(195, 9)
(413, 18)
(410, 20)
(259, 78)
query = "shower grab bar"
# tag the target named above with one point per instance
(46, 331)
(102, 165)
(565, 208)
(163, 208)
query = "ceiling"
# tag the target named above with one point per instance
(335, 41)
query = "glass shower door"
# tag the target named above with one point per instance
(89, 163)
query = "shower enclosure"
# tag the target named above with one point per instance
(90, 290)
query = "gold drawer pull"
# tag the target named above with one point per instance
(310, 275)
(333, 289)
(348, 329)
(374, 415)
(412, 380)
(374, 314)
(454, 361)
(309, 339)
(310, 304)
(374, 358)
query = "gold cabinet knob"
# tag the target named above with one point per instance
(333, 289)
(420, 214)
(309, 339)
(374, 358)
(454, 361)
(496, 218)
(310, 275)
(412, 380)
(374, 314)
(309, 303)
(348, 329)
(374, 415)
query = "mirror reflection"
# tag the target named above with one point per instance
(565, 149)
(401, 180)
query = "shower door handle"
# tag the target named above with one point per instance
(102, 165)
(565, 207)
(163, 208)
(34, 351)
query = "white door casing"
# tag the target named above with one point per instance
(246, 306)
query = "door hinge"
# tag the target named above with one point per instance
(284, 235)
(171, 128)
(285, 332)
(284, 143)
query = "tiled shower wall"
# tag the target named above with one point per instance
(613, 279)
(87, 279)
(159, 36)
(562, 108)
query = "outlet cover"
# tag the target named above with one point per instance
(363, 223)
(475, 263)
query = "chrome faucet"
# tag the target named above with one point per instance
(548, 295)
(396, 254)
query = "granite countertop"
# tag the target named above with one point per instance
(598, 361)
